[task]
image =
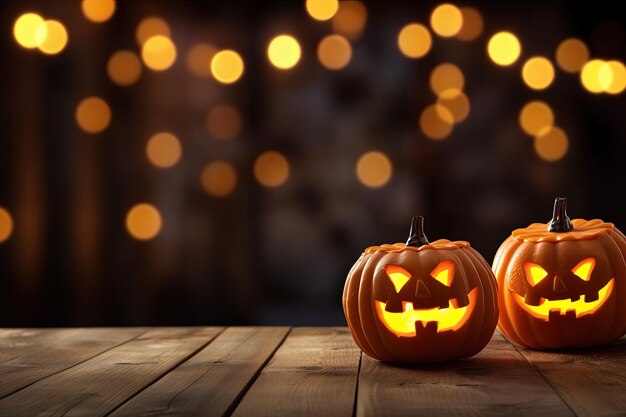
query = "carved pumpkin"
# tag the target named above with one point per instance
(421, 301)
(562, 284)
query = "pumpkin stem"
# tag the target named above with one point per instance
(560, 222)
(417, 237)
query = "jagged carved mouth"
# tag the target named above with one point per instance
(435, 320)
(548, 309)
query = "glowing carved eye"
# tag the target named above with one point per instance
(444, 273)
(534, 273)
(584, 268)
(398, 276)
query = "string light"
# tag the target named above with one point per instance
(618, 77)
(284, 52)
(93, 115)
(164, 150)
(6, 225)
(414, 40)
(158, 53)
(571, 55)
(350, 19)
(143, 221)
(124, 68)
(271, 169)
(590, 76)
(25, 30)
(322, 9)
(218, 178)
(551, 144)
(538, 73)
(334, 52)
(446, 20)
(227, 66)
(458, 107)
(199, 59)
(152, 26)
(472, 24)
(447, 80)
(224, 122)
(436, 122)
(374, 169)
(51, 37)
(535, 117)
(98, 11)
(504, 48)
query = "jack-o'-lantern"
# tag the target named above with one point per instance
(562, 284)
(421, 301)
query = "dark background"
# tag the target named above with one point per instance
(278, 255)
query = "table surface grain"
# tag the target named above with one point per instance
(300, 371)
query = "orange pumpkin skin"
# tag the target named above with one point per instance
(594, 306)
(368, 284)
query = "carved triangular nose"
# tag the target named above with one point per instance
(558, 285)
(421, 290)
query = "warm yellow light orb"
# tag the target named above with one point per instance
(284, 52)
(218, 178)
(590, 76)
(224, 122)
(535, 117)
(504, 48)
(271, 169)
(322, 9)
(458, 107)
(538, 73)
(350, 19)
(51, 37)
(436, 122)
(93, 115)
(227, 66)
(618, 77)
(374, 169)
(98, 10)
(164, 150)
(6, 225)
(25, 30)
(151, 26)
(143, 221)
(199, 59)
(414, 40)
(158, 53)
(551, 144)
(472, 24)
(446, 20)
(334, 52)
(571, 55)
(447, 80)
(124, 68)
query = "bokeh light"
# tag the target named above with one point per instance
(414, 40)
(334, 52)
(350, 19)
(436, 122)
(322, 9)
(446, 20)
(284, 51)
(571, 55)
(374, 169)
(218, 178)
(199, 59)
(590, 76)
(458, 107)
(536, 116)
(504, 48)
(618, 77)
(551, 144)
(6, 225)
(51, 37)
(98, 10)
(164, 150)
(151, 26)
(447, 80)
(271, 169)
(93, 115)
(124, 68)
(472, 24)
(25, 29)
(538, 73)
(224, 122)
(143, 221)
(158, 53)
(227, 66)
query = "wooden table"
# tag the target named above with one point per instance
(269, 371)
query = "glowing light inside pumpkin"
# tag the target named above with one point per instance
(580, 307)
(398, 276)
(444, 273)
(584, 269)
(534, 273)
(414, 40)
(504, 48)
(448, 319)
(446, 20)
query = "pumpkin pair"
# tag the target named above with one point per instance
(561, 284)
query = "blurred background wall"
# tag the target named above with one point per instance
(179, 163)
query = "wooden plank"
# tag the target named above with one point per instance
(212, 381)
(591, 381)
(96, 386)
(496, 382)
(313, 373)
(29, 355)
